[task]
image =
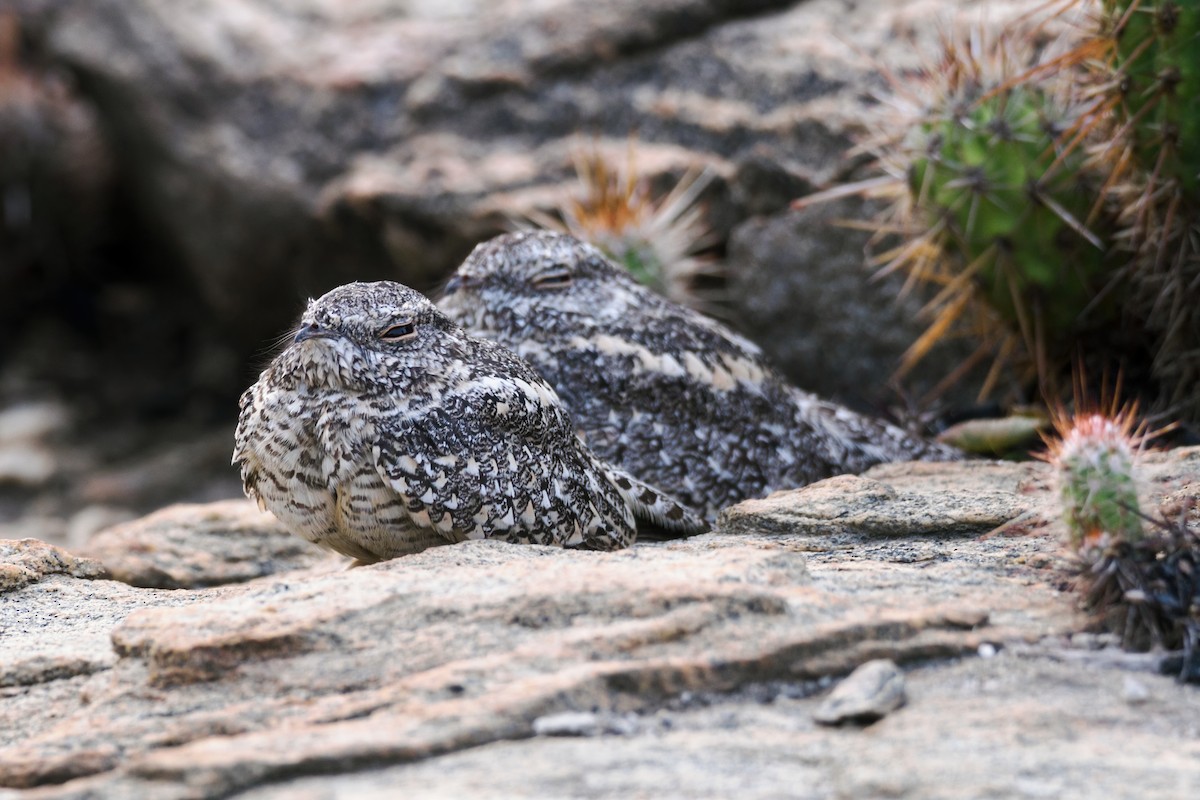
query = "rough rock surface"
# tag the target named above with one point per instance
(687, 667)
(28, 561)
(277, 149)
(894, 500)
(193, 545)
(800, 287)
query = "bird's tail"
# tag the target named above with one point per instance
(655, 507)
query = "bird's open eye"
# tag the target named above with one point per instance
(556, 279)
(399, 332)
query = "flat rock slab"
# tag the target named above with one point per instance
(908, 500)
(189, 546)
(715, 649)
(1004, 727)
(457, 647)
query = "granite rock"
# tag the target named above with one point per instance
(192, 545)
(27, 561)
(694, 664)
(274, 150)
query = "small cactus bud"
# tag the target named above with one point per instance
(1094, 463)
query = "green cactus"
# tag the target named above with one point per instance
(1094, 465)
(1156, 61)
(1137, 575)
(1048, 194)
(997, 172)
(1149, 78)
(995, 193)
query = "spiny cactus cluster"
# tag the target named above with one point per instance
(1146, 79)
(991, 169)
(1142, 584)
(658, 239)
(1045, 187)
(1153, 70)
(1006, 185)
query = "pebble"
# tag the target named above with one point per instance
(567, 723)
(1133, 691)
(868, 694)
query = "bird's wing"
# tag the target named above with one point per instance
(242, 452)
(487, 461)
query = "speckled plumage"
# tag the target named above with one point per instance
(675, 398)
(384, 429)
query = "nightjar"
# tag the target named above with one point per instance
(674, 397)
(384, 429)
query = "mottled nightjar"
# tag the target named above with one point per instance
(677, 399)
(384, 429)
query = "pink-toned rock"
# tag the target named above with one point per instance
(193, 545)
(27, 561)
(897, 500)
(433, 672)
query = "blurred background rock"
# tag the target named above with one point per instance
(177, 178)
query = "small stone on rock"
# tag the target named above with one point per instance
(1134, 691)
(567, 723)
(866, 695)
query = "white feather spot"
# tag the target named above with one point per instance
(696, 368)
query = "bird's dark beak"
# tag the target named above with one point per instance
(310, 331)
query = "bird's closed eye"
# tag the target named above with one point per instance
(552, 280)
(399, 332)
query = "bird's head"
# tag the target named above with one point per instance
(362, 335)
(536, 280)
